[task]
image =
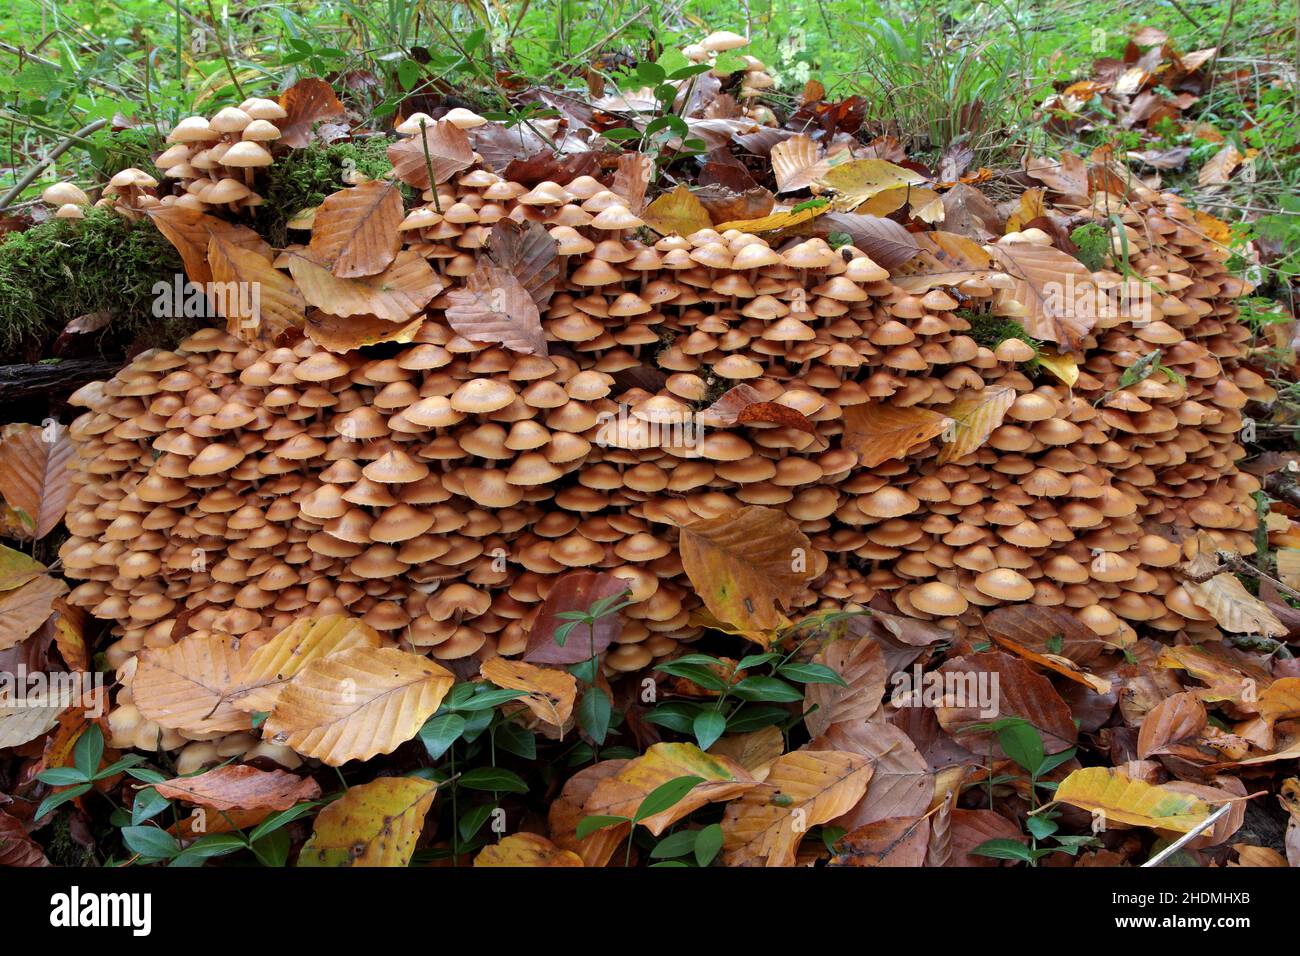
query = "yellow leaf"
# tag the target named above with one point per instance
(1220, 166)
(1064, 367)
(1215, 230)
(358, 703)
(29, 717)
(974, 417)
(925, 205)
(855, 182)
(374, 824)
(258, 684)
(550, 691)
(526, 849)
(1030, 206)
(777, 220)
(621, 794)
(16, 568)
(879, 432)
(746, 561)
(1119, 799)
(1280, 700)
(678, 211)
(803, 789)
(184, 687)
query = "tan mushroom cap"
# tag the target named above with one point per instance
(939, 599)
(1005, 584)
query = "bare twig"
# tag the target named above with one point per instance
(44, 164)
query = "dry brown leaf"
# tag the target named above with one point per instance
(493, 306)
(355, 230)
(566, 812)
(307, 102)
(980, 688)
(755, 751)
(803, 789)
(1280, 700)
(34, 474)
(29, 717)
(442, 146)
(357, 703)
(974, 416)
(1172, 721)
(677, 212)
(395, 294)
(1067, 175)
(887, 243)
(943, 258)
(796, 163)
(339, 333)
(241, 787)
(969, 213)
(879, 432)
(1054, 296)
(258, 684)
(970, 828)
(257, 300)
(1219, 168)
(901, 782)
(744, 563)
(550, 692)
(1226, 599)
(1030, 632)
(24, 609)
(17, 849)
(897, 841)
(527, 850)
(529, 253)
(185, 686)
(861, 664)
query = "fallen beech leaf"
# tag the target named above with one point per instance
(746, 562)
(274, 303)
(1219, 168)
(887, 243)
(1226, 599)
(191, 232)
(185, 686)
(943, 258)
(357, 703)
(979, 688)
(442, 146)
(901, 782)
(1235, 682)
(970, 828)
(968, 212)
(17, 849)
(777, 220)
(566, 813)
(529, 253)
(1067, 175)
(395, 294)
(774, 413)
(258, 684)
(34, 475)
(24, 609)
(897, 841)
(1029, 632)
(374, 824)
(861, 664)
(493, 306)
(1280, 700)
(677, 212)
(550, 692)
(526, 849)
(1216, 230)
(858, 181)
(1030, 206)
(70, 635)
(341, 334)
(726, 410)
(1054, 296)
(755, 751)
(879, 432)
(29, 717)
(1172, 721)
(722, 202)
(803, 789)
(307, 102)
(1119, 799)
(621, 794)
(355, 230)
(796, 163)
(575, 591)
(925, 205)
(16, 568)
(241, 787)
(631, 179)
(1249, 855)
(974, 416)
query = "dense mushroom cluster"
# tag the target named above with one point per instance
(436, 489)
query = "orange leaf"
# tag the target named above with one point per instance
(241, 787)
(442, 146)
(493, 306)
(880, 432)
(551, 692)
(355, 230)
(395, 294)
(974, 417)
(34, 474)
(257, 299)
(526, 849)
(944, 258)
(307, 102)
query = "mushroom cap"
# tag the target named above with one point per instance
(193, 129)
(231, 119)
(1004, 584)
(482, 395)
(260, 108)
(462, 118)
(69, 211)
(722, 40)
(939, 599)
(62, 194)
(246, 153)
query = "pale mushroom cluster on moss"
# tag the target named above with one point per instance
(439, 488)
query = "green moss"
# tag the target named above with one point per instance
(62, 849)
(304, 177)
(61, 269)
(990, 331)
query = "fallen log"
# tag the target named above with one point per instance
(58, 377)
